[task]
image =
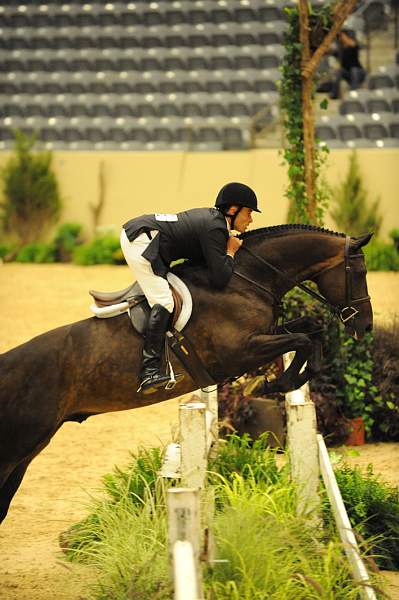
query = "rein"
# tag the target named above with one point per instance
(345, 313)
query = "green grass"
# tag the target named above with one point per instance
(273, 553)
(129, 552)
(269, 551)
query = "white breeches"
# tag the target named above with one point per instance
(156, 289)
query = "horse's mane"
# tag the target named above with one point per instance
(287, 228)
(196, 271)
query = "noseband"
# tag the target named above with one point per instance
(345, 313)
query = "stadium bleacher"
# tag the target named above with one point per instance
(163, 75)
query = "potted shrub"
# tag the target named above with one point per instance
(358, 393)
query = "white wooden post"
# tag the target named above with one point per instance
(302, 445)
(184, 572)
(188, 460)
(209, 396)
(193, 444)
(184, 525)
(344, 526)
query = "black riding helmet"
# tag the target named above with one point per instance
(236, 194)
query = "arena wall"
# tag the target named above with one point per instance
(141, 182)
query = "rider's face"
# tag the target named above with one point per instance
(243, 219)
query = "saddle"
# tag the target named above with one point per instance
(132, 300)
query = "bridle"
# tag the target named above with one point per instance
(345, 313)
(349, 301)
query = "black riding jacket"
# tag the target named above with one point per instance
(199, 234)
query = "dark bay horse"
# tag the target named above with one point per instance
(91, 366)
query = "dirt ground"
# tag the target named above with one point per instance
(34, 299)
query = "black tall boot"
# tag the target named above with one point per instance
(150, 375)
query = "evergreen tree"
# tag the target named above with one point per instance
(30, 189)
(351, 212)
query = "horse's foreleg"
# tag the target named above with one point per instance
(269, 347)
(306, 324)
(10, 486)
(315, 331)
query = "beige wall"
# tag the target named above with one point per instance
(141, 182)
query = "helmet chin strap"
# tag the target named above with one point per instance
(233, 218)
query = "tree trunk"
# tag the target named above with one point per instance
(307, 112)
(308, 66)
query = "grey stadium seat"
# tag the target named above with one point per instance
(220, 62)
(394, 127)
(351, 106)
(233, 139)
(238, 109)
(326, 129)
(271, 57)
(376, 129)
(222, 14)
(374, 13)
(384, 77)
(395, 103)
(192, 109)
(208, 139)
(271, 13)
(13, 110)
(350, 127)
(378, 105)
(173, 16)
(215, 109)
(245, 61)
(143, 136)
(245, 14)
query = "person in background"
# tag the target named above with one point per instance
(350, 69)
(151, 242)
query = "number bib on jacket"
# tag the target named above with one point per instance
(165, 217)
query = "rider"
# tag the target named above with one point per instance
(151, 242)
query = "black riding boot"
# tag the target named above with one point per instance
(150, 375)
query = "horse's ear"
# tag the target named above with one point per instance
(362, 240)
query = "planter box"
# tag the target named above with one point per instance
(266, 417)
(356, 436)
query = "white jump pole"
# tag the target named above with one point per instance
(184, 526)
(193, 444)
(184, 571)
(302, 445)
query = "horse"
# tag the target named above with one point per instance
(91, 366)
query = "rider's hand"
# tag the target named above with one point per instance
(233, 244)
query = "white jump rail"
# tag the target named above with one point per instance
(308, 459)
(343, 524)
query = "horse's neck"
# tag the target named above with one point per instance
(300, 256)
